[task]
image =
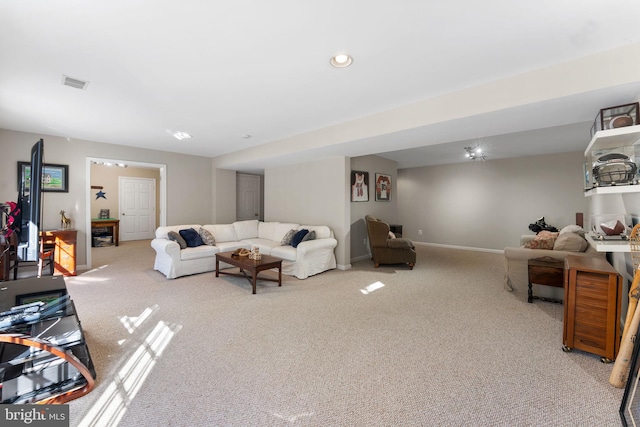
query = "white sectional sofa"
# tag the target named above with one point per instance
(308, 258)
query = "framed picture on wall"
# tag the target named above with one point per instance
(359, 186)
(55, 178)
(383, 187)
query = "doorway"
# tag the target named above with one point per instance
(137, 207)
(160, 202)
(248, 197)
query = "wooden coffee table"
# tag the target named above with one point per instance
(244, 263)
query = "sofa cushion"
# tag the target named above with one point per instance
(206, 236)
(543, 240)
(283, 228)
(286, 240)
(223, 232)
(173, 235)
(297, 238)
(571, 242)
(192, 237)
(246, 229)
(198, 252)
(265, 245)
(266, 230)
(322, 231)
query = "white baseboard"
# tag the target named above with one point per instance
(466, 248)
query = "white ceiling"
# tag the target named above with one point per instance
(221, 70)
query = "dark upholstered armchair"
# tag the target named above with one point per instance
(387, 250)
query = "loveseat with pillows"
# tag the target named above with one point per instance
(570, 240)
(190, 249)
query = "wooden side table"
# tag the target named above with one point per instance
(545, 271)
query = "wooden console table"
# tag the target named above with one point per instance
(113, 223)
(64, 255)
(545, 271)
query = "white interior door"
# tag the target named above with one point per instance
(137, 208)
(247, 197)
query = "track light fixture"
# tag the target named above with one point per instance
(474, 153)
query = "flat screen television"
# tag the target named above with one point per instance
(30, 203)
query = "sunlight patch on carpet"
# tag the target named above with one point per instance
(114, 401)
(372, 288)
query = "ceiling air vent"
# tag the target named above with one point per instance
(76, 83)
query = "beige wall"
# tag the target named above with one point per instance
(188, 179)
(386, 211)
(107, 178)
(490, 204)
(313, 193)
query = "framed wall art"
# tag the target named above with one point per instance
(359, 186)
(383, 187)
(55, 178)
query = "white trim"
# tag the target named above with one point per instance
(466, 248)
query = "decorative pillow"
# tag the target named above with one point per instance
(172, 235)
(286, 240)
(309, 236)
(297, 238)
(543, 240)
(206, 236)
(571, 242)
(392, 235)
(573, 229)
(192, 237)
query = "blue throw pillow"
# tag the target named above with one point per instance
(192, 237)
(297, 238)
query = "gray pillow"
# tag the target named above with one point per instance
(206, 236)
(286, 240)
(172, 235)
(309, 236)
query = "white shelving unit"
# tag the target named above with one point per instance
(613, 138)
(607, 140)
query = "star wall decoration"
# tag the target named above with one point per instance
(100, 194)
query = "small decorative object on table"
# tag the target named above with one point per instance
(104, 214)
(255, 254)
(65, 222)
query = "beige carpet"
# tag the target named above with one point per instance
(443, 344)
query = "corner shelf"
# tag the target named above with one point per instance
(615, 189)
(613, 138)
(608, 245)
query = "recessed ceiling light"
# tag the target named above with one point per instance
(179, 135)
(341, 60)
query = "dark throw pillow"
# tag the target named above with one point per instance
(297, 238)
(192, 237)
(172, 235)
